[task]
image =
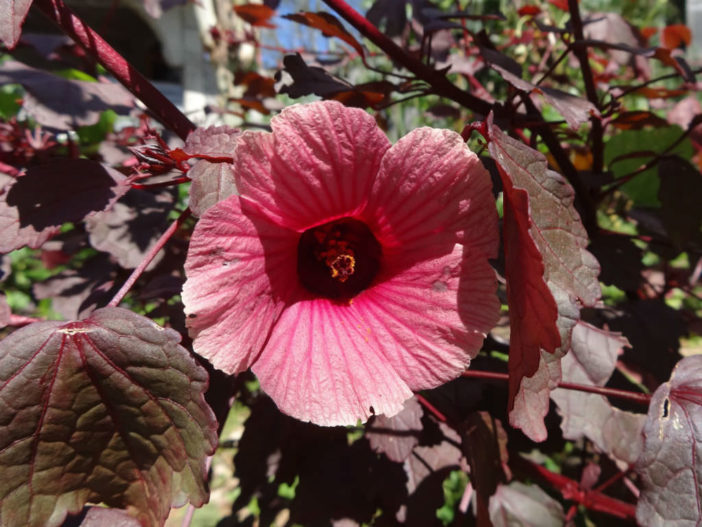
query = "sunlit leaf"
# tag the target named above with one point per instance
(107, 409)
(255, 14)
(670, 467)
(549, 275)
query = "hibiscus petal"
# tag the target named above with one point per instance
(318, 164)
(322, 364)
(433, 315)
(432, 189)
(241, 269)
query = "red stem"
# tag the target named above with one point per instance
(147, 259)
(433, 409)
(163, 109)
(641, 398)
(571, 490)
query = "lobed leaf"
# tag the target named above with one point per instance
(131, 227)
(64, 104)
(396, 436)
(669, 466)
(549, 275)
(106, 409)
(523, 505)
(591, 362)
(36, 204)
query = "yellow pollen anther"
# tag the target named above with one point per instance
(342, 267)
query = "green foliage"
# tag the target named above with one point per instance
(454, 486)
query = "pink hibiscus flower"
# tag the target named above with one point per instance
(349, 272)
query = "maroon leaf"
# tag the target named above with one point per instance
(523, 505)
(591, 361)
(36, 204)
(107, 409)
(426, 460)
(12, 15)
(213, 141)
(613, 29)
(70, 289)
(64, 104)
(574, 109)
(549, 275)
(130, 228)
(391, 15)
(309, 79)
(255, 14)
(484, 443)
(396, 436)
(679, 192)
(669, 466)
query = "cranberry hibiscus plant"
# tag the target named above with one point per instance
(348, 274)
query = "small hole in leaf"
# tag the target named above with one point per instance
(666, 408)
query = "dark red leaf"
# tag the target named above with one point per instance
(390, 15)
(309, 79)
(426, 460)
(64, 104)
(675, 36)
(637, 119)
(574, 109)
(525, 506)
(12, 15)
(529, 10)
(256, 14)
(107, 409)
(329, 26)
(560, 4)
(591, 361)
(36, 204)
(484, 443)
(612, 28)
(130, 228)
(256, 84)
(396, 436)
(549, 274)
(70, 289)
(670, 467)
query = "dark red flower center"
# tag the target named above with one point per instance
(338, 259)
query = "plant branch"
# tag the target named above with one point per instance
(581, 53)
(571, 490)
(641, 398)
(163, 109)
(440, 84)
(147, 259)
